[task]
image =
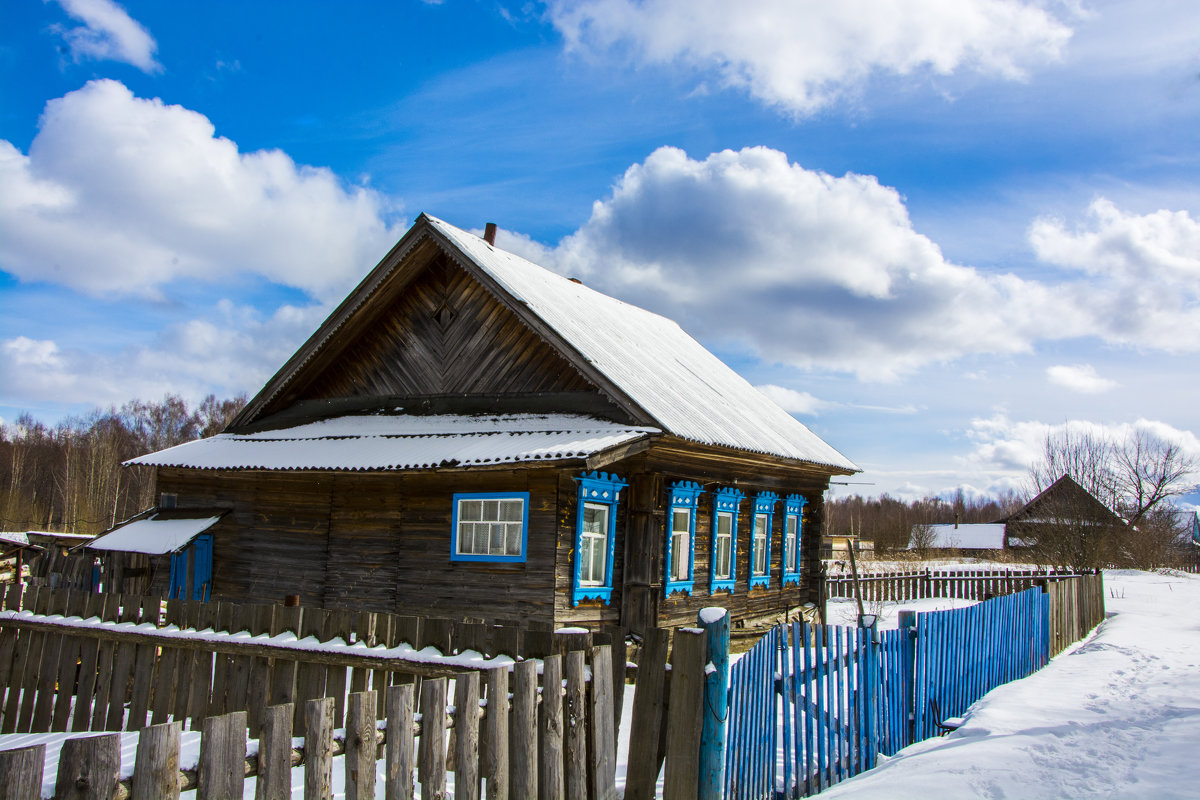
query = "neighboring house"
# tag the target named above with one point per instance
(45, 557)
(1063, 509)
(837, 548)
(1062, 524)
(471, 435)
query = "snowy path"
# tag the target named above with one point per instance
(1117, 717)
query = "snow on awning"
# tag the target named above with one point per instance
(154, 536)
(14, 538)
(402, 441)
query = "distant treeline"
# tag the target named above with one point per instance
(69, 477)
(888, 521)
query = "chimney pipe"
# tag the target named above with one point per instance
(955, 520)
(489, 233)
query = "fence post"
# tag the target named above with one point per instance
(89, 768)
(716, 704)
(21, 772)
(156, 768)
(907, 621)
(684, 717)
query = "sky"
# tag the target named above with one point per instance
(935, 231)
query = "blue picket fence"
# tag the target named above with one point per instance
(811, 705)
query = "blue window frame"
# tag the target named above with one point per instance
(595, 536)
(489, 526)
(723, 569)
(680, 561)
(793, 509)
(760, 546)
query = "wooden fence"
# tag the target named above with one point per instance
(1076, 606)
(811, 705)
(60, 675)
(82, 662)
(917, 584)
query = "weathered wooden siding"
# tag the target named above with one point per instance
(445, 335)
(655, 471)
(429, 580)
(369, 541)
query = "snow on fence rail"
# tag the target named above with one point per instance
(917, 584)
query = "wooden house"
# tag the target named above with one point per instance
(470, 435)
(1063, 509)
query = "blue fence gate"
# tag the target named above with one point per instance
(812, 705)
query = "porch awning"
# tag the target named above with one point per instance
(154, 535)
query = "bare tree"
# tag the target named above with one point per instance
(1147, 470)
(922, 540)
(1131, 478)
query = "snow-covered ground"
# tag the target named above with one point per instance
(1118, 716)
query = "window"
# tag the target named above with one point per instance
(681, 537)
(793, 507)
(489, 526)
(724, 547)
(168, 500)
(593, 544)
(595, 536)
(760, 556)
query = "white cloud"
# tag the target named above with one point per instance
(1003, 445)
(1081, 378)
(800, 56)
(792, 401)
(233, 349)
(108, 34)
(1142, 272)
(797, 267)
(801, 267)
(123, 195)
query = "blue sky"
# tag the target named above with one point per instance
(934, 231)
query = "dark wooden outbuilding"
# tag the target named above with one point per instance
(471, 435)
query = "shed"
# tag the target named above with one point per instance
(471, 435)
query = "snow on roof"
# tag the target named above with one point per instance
(403, 441)
(685, 388)
(153, 536)
(18, 538)
(977, 536)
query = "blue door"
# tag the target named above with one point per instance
(191, 570)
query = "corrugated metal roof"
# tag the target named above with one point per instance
(153, 536)
(690, 392)
(403, 441)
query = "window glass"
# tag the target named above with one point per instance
(724, 538)
(492, 527)
(760, 544)
(593, 544)
(789, 543)
(681, 522)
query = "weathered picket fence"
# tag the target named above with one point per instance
(810, 705)
(64, 665)
(916, 584)
(88, 662)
